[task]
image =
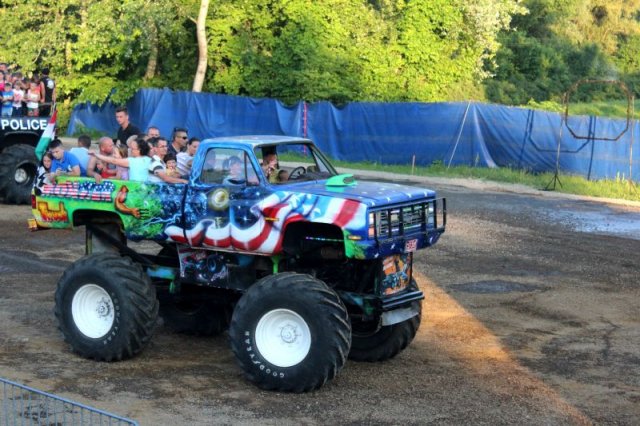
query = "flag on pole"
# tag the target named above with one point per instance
(47, 135)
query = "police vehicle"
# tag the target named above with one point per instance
(18, 163)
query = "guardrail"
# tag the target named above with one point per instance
(22, 405)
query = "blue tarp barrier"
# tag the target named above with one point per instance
(203, 114)
(472, 134)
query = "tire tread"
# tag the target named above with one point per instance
(139, 299)
(312, 292)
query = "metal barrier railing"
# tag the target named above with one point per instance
(22, 405)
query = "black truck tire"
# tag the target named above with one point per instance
(373, 343)
(290, 332)
(18, 168)
(106, 307)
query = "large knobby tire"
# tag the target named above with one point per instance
(106, 307)
(290, 332)
(18, 168)
(372, 342)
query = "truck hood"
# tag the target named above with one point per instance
(372, 194)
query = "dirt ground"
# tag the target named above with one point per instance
(532, 316)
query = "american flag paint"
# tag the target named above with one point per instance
(259, 227)
(81, 190)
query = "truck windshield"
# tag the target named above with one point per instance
(293, 162)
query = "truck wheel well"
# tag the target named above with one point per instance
(314, 239)
(107, 222)
(84, 217)
(27, 138)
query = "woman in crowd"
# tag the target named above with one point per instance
(122, 152)
(44, 171)
(138, 162)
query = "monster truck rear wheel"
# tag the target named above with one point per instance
(372, 342)
(290, 332)
(18, 167)
(106, 307)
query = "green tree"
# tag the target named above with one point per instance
(538, 62)
(598, 22)
(337, 50)
(343, 50)
(100, 49)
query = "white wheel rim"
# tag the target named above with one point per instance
(283, 337)
(92, 311)
(21, 175)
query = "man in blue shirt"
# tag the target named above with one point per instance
(81, 152)
(64, 163)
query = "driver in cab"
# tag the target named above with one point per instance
(271, 168)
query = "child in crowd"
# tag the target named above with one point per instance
(101, 169)
(33, 99)
(7, 100)
(121, 152)
(44, 171)
(172, 165)
(18, 96)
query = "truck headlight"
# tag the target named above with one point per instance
(372, 225)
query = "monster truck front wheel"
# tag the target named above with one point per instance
(18, 167)
(106, 307)
(290, 332)
(372, 342)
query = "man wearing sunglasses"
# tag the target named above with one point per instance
(179, 142)
(158, 168)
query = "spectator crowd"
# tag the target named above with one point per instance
(134, 155)
(26, 96)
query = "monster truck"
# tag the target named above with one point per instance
(18, 162)
(304, 273)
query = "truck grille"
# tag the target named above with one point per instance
(397, 221)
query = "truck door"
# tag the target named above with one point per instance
(216, 204)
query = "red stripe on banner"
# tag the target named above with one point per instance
(273, 211)
(197, 238)
(256, 242)
(348, 211)
(225, 242)
(179, 238)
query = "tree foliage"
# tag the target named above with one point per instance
(561, 42)
(343, 50)
(98, 49)
(335, 50)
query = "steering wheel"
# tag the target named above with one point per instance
(234, 181)
(297, 172)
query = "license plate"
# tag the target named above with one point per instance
(33, 225)
(411, 245)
